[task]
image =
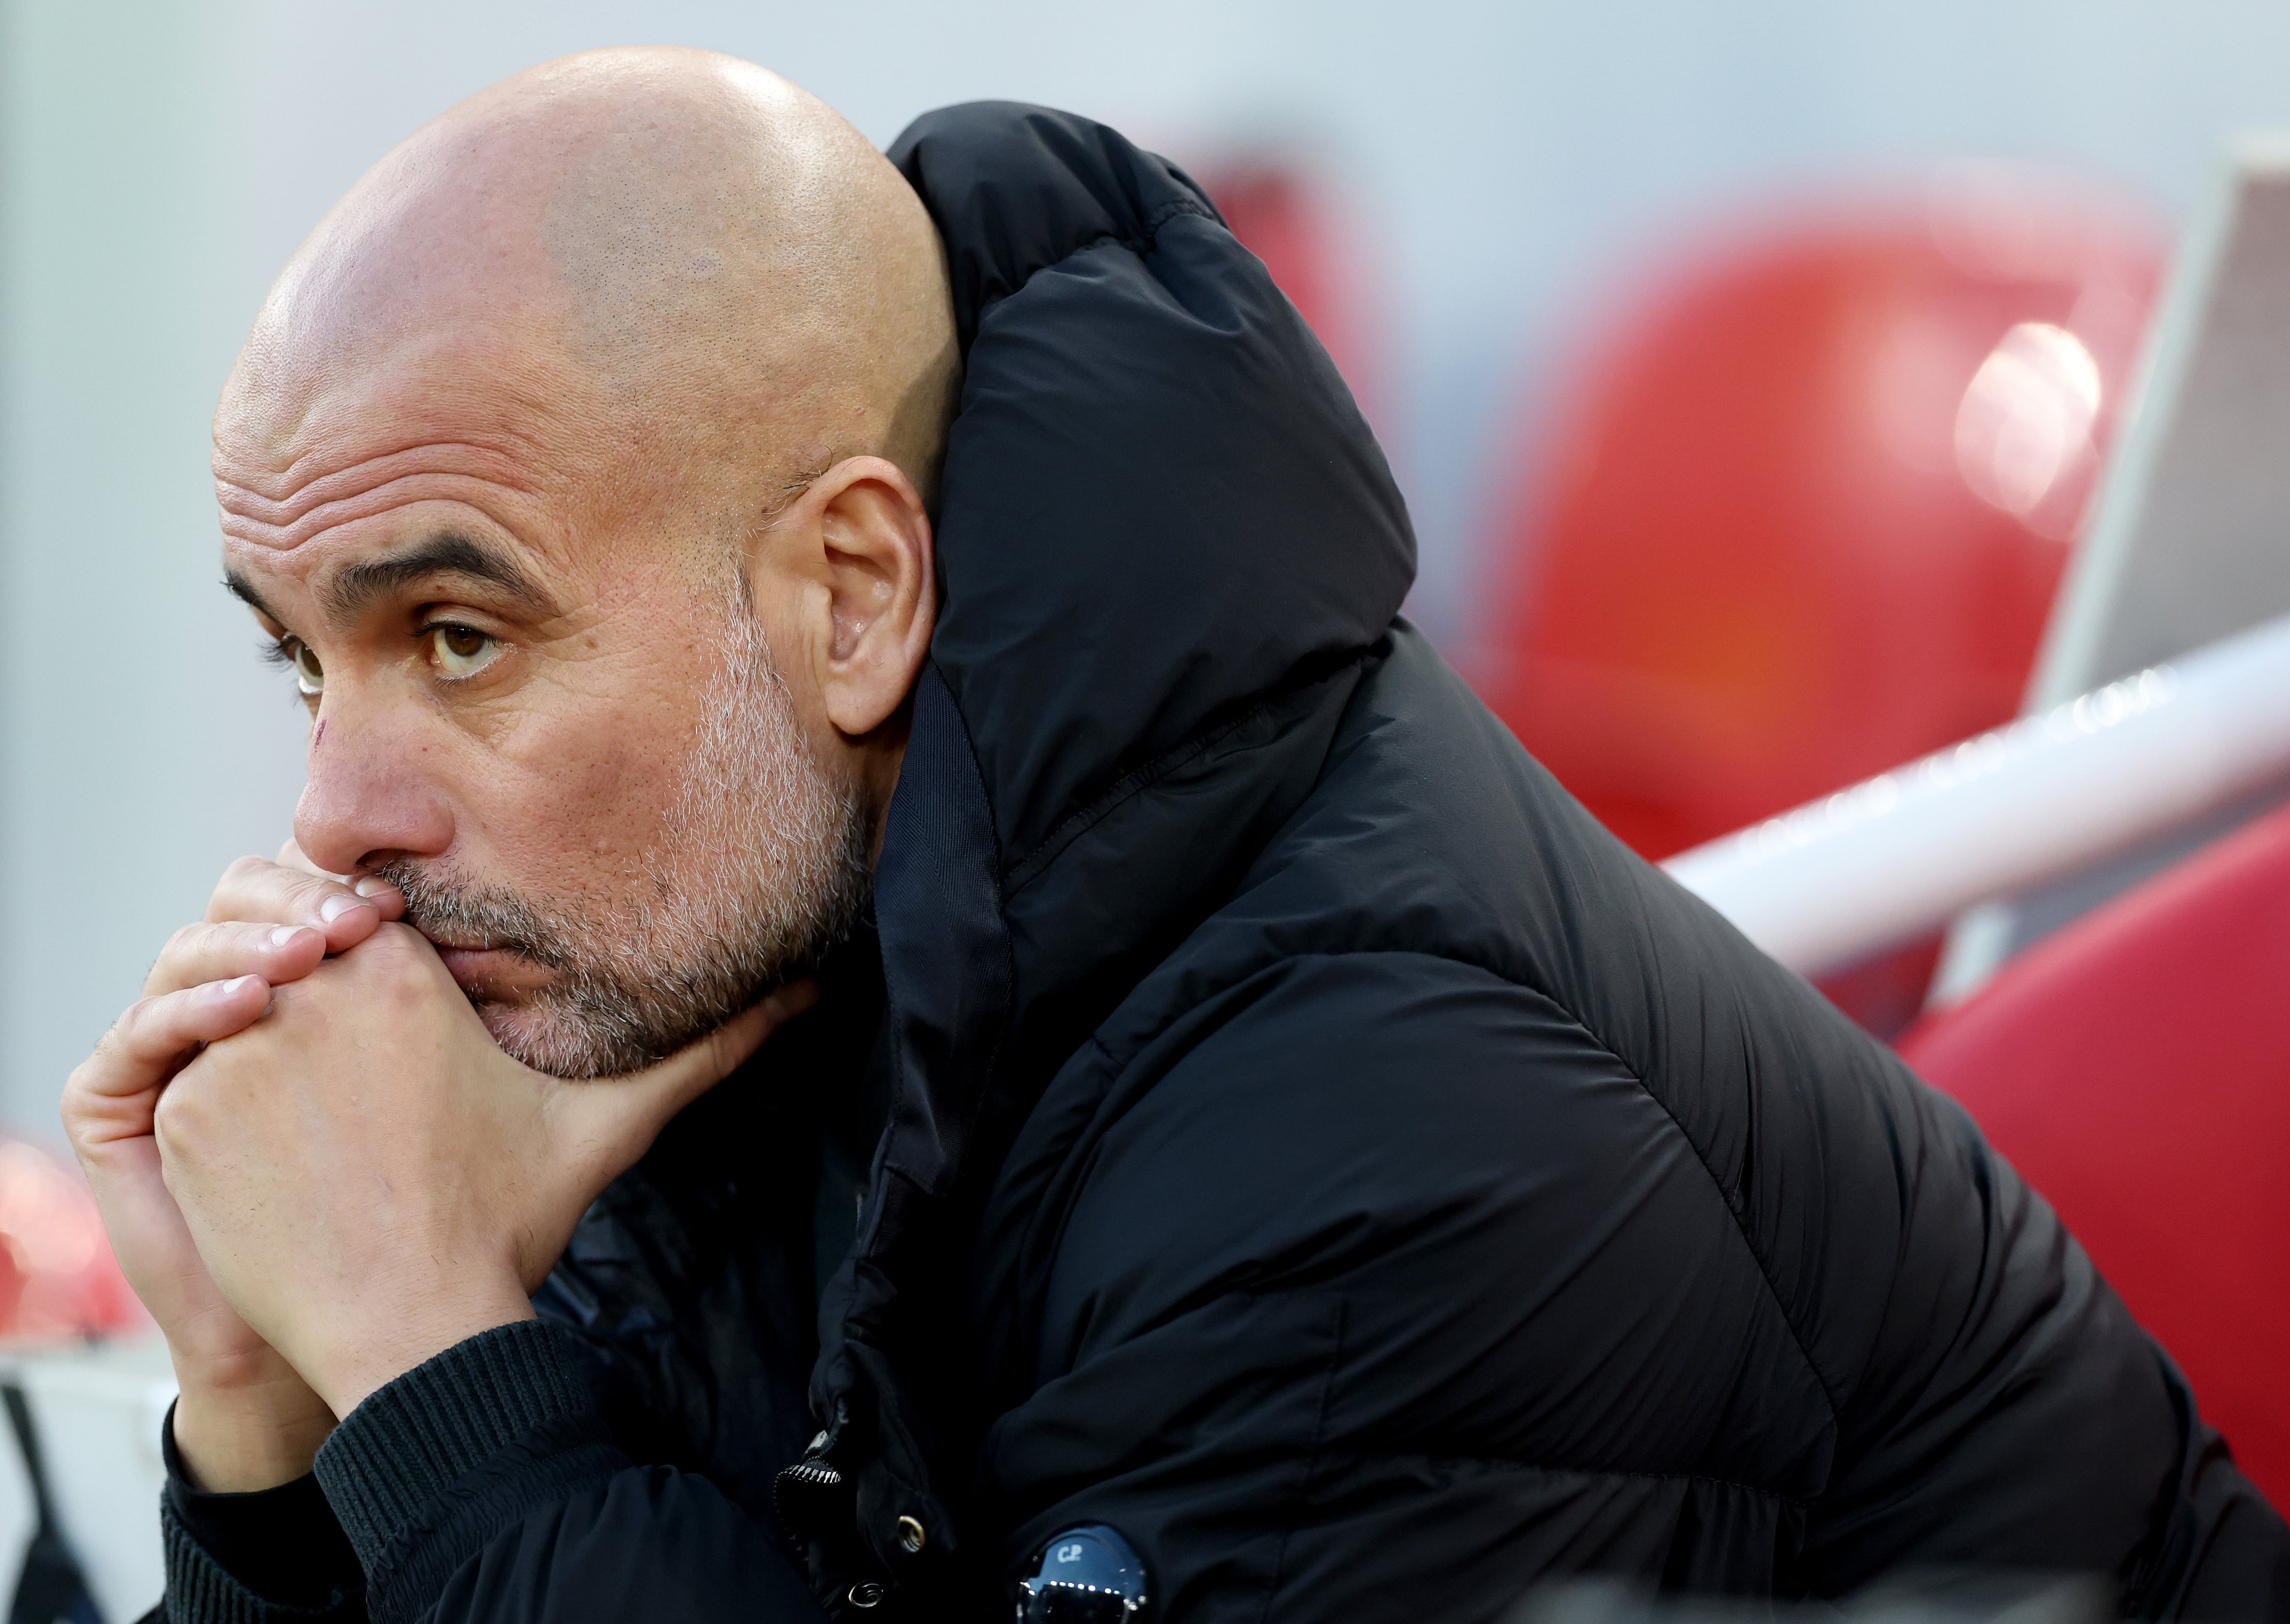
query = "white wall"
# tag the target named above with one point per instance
(142, 748)
(160, 160)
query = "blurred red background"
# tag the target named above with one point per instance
(1806, 508)
(58, 1279)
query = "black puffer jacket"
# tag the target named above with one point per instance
(1314, 1148)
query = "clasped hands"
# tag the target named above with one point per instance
(317, 1168)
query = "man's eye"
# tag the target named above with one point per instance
(309, 675)
(462, 651)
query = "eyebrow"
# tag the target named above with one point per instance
(243, 589)
(358, 586)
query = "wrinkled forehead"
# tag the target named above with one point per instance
(467, 436)
(312, 440)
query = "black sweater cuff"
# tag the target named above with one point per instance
(429, 1467)
(201, 1590)
(275, 1554)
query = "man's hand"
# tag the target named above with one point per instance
(370, 1180)
(244, 1420)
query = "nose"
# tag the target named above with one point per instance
(370, 795)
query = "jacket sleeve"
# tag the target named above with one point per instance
(484, 1486)
(1436, 1299)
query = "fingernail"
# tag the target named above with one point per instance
(284, 935)
(335, 907)
(371, 887)
(222, 991)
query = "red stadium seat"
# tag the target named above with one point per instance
(2136, 1068)
(1800, 515)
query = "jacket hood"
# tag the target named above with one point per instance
(1161, 511)
(1165, 538)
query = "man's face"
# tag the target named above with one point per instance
(542, 703)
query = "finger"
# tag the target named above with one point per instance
(198, 954)
(385, 896)
(387, 899)
(616, 1119)
(272, 893)
(146, 1044)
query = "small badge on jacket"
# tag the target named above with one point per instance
(1086, 1575)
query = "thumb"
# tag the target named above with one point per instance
(615, 1119)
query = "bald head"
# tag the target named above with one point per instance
(669, 250)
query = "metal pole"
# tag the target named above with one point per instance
(1903, 852)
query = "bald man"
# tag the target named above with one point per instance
(1242, 1143)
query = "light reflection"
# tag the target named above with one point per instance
(2027, 416)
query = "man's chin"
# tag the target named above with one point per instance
(543, 1034)
(538, 1038)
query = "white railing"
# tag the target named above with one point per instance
(1905, 851)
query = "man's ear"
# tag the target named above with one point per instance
(873, 601)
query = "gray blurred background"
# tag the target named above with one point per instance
(1496, 167)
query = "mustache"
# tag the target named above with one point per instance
(464, 915)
